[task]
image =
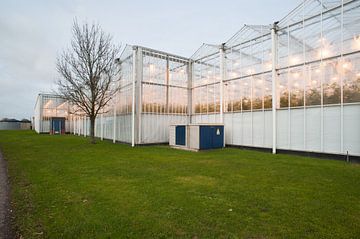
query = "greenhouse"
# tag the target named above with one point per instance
(51, 114)
(290, 85)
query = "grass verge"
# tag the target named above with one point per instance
(64, 187)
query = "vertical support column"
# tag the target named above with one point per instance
(114, 122)
(85, 125)
(41, 113)
(116, 100)
(189, 72)
(78, 125)
(138, 94)
(74, 124)
(95, 127)
(102, 126)
(222, 78)
(274, 84)
(305, 78)
(167, 85)
(321, 84)
(342, 82)
(133, 97)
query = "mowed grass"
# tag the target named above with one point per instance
(64, 187)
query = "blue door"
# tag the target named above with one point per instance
(205, 137)
(57, 125)
(218, 136)
(180, 133)
(211, 137)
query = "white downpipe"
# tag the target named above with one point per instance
(274, 85)
(133, 99)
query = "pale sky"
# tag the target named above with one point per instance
(32, 33)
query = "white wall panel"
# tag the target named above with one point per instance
(282, 129)
(313, 129)
(155, 128)
(206, 118)
(123, 128)
(332, 129)
(108, 127)
(45, 126)
(237, 128)
(228, 124)
(268, 129)
(246, 129)
(352, 129)
(297, 129)
(239, 131)
(258, 128)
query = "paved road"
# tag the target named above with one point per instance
(5, 232)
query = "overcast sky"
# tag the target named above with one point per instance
(32, 33)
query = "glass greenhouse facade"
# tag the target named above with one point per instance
(49, 107)
(291, 85)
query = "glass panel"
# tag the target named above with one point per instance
(313, 87)
(246, 94)
(351, 77)
(296, 87)
(331, 83)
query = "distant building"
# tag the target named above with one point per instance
(51, 114)
(13, 124)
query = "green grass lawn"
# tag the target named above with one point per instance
(64, 187)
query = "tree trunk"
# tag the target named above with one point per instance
(92, 129)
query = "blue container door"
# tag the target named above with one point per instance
(180, 135)
(211, 137)
(205, 137)
(218, 136)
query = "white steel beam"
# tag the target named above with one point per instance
(274, 84)
(84, 121)
(138, 93)
(222, 78)
(102, 126)
(342, 83)
(114, 122)
(189, 72)
(133, 97)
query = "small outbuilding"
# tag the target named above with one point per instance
(197, 136)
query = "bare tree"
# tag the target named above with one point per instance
(89, 71)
